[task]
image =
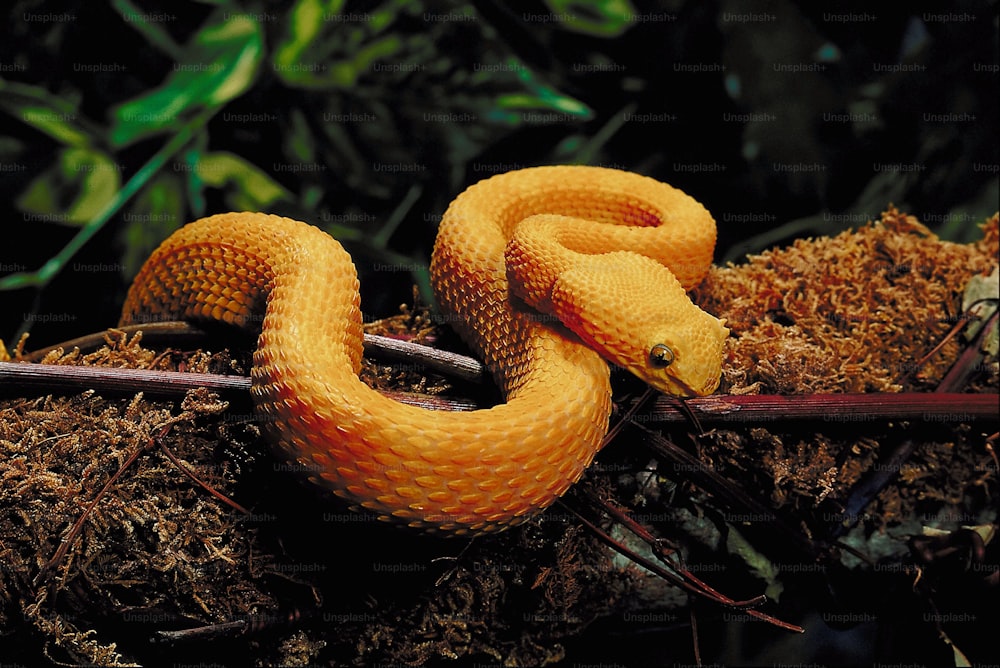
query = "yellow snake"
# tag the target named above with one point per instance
(609, 253)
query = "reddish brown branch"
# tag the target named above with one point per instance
(17, 378)
(694, 586)
(22, 379)
(833, 408)
(74, 531)
(179, 333)
(972, 356)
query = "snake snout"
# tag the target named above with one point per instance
(696, 345)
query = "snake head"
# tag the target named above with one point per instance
(633, 311)
(685, 358)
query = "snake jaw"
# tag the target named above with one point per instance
(667, 380)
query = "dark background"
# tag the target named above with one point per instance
(785, 120)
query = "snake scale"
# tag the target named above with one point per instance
(544, 272)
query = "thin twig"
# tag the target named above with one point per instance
(198, 481)
(180, 333)
(17, 378)
(74, 531)
(694, 636)
(166, 333)
(969, 315)
(971, 357)
(721, 487)
(236, 628)
(623, 518)
(632, 410)
(20, 378)
(658, 570)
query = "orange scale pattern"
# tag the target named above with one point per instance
(455, 473)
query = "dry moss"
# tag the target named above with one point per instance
(157, 552)
(851, 313)
(154, 546)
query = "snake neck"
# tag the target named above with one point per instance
(607, 254)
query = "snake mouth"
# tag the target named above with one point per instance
(678, 388)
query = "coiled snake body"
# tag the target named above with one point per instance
(570, 242)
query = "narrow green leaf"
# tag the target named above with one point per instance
(305, 21)
(187, 163)
(247, 187)
(222, 61)
(38, 108)
(301, 60)
(241, 42)
(537, 97)
(546, 101)
(599, 18)
(153, 30)
(56, 125)
(84, 177)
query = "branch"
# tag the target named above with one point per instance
(18, 378)
(833, 408)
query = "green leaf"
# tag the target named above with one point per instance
(194, 187)
(549, 100)
(599, 18)
(38, 108)
(222, 61)
(303, 26)
(301, 59)
(56, 125)
(759, 564)
(247, 187)
(74, 189)
(537, 97)
(240, 38)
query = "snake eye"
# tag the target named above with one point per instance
(661, 355)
